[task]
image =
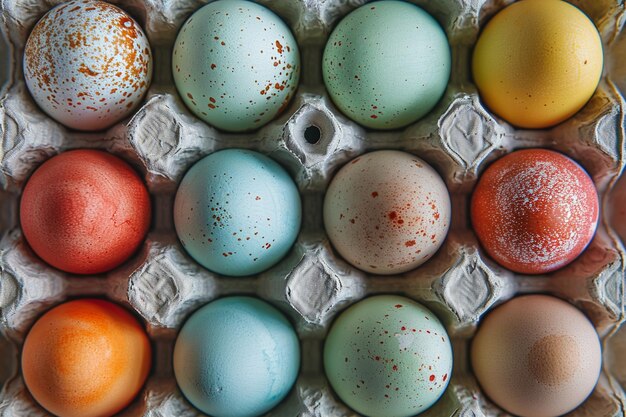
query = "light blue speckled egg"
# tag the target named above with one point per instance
(236, 357)
(388, 356)
(387, 64)
(237, 212)
(236, 64)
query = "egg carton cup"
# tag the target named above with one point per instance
(163, 285)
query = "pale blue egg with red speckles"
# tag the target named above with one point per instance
(236, 64)
(237, 212)
(388, 356)
(236, 357)
(387, 64)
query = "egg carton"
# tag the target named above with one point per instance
(312, 139)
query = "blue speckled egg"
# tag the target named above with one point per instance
(388, 356)
(237, 212)
(236, 357)
(386, 64)
(236, 64)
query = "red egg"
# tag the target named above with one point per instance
(534, 211)
(85, 211)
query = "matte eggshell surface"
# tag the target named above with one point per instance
(236, 357)
(536, 356)
(387, 212)
(534, 210)
(237, 212)
(533, 69)
(387, 64)
(236, 64)
(87, 64)
(86, 358)
(388, 356)
(85, 211)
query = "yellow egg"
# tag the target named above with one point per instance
(538, 62)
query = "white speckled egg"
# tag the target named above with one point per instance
(87, 64)
(236, 64)
(387, 212)
(388, 356)
(237, 212)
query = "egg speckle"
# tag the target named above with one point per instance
(536, 355)
(388, 356)
(236, 357)
(386, 64)
(87, 64)
(236, 65)
(86, 358)
(85, 211)
(535, 70)
(534, 210)
(237, 212)
(387, 212)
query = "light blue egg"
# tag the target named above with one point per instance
(237, 212)
(236, 64)
(236, 357)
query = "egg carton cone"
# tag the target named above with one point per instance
(312, 284)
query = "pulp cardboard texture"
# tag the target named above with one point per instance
(163, 285)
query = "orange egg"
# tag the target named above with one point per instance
(86, 358)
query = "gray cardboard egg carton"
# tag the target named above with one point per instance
(312, 284)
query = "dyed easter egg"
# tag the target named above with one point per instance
(387, 212)
(388, 356)
(386, 64)
(236, 357)
(236, 65)
(86, 358)
(237, 212)
(537, 62)
(85, 211)
(87, 64)
(534, 211)
(537, 355)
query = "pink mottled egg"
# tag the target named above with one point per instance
(537, 356)
(387, 212)
(87, 64)
(535, 210)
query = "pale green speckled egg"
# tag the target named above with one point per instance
(387, 64)
(388, 356)
(236, 64)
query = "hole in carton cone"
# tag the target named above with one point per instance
(312, 134)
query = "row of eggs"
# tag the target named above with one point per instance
(237, 212)
(236, 64)
(385, 356)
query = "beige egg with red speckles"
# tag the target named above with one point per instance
(387, 212)
(87, 64)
